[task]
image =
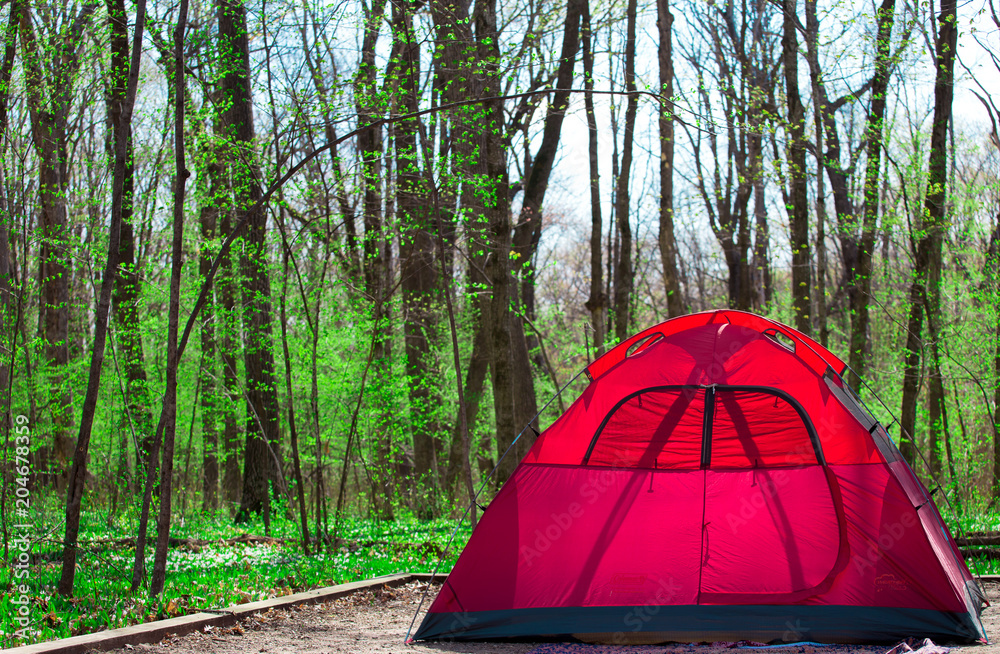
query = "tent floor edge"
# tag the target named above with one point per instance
(633, 625)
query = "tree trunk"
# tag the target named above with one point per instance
(613, 233)
(861, 287)
(624, 276)
(821, 256)
(735, 245)
(991, 273)
(676, 306)
(726, 187)
(125, 311)
(996, 389)
(159, 575)
(128, 285)
(924, 289)
(209, 369)
(497, 213)
(528, 230)
(8, 311)
(529, 224)
(229, 349)
(260, 466)
(525, 404)
(911, 362)
(475, 378)
(935, 209)
(456, 79)
(288, 264)
(463, 423)
(50, 97)
(377, 260)
(937, 427)
(290, 399)
(597, 303)
(122, 102)
(420, 285)
(798, 205)
(828, 159)
(55, 277)
(760, 267)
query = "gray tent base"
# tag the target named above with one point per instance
(702, 623)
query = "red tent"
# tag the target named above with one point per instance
(717, 480)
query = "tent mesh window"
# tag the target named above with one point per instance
(690, 427)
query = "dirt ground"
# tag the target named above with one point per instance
(376, 621)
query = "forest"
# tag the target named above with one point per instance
(287, 266)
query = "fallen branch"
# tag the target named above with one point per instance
(979, 539)
(242, 539)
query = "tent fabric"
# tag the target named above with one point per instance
(716, 480)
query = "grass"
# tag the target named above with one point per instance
(212, 576)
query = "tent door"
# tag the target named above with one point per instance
(767, 533)
(771, 527)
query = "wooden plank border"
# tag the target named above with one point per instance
(154, 632)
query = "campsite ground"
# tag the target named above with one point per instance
(363, 623)
(371, 622)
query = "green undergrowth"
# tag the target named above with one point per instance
(973, 521)
(208, 576)
(984, 520)
(981, 566)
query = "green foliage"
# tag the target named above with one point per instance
(212, 576)
(985, 519)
